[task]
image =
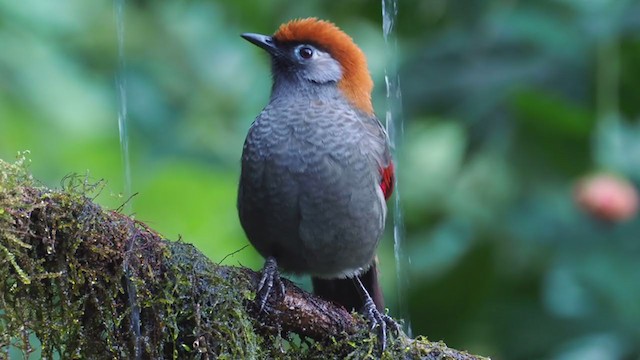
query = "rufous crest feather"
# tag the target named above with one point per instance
(356, 81)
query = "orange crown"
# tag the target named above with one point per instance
(356, 82)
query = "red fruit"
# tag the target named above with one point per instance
(607, 197)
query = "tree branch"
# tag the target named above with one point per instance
(91, 283)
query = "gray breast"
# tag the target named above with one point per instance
(309, 189)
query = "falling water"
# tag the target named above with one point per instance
(121, 88)
(395, 129)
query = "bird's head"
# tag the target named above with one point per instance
(319, 53)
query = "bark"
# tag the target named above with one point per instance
(94, 283)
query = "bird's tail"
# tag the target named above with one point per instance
(347, 293)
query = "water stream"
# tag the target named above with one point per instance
(121, 89)
(395, 129)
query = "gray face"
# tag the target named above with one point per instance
(315, 65)
(298, 61)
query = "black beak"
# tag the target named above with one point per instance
(264, 41)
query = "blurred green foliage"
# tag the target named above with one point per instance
(507, 103)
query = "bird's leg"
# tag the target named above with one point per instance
(375, 317)
(270, 277)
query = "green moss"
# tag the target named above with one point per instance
(93, 283)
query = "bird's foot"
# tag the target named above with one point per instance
(381, 322)
(377, 320)
(270, 284)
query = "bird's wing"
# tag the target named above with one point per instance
(382, 154)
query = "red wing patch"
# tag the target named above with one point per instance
(387, 181)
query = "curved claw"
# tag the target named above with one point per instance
(378, 319)
(270, 277)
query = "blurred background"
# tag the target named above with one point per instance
(518, 169)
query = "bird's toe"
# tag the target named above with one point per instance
(270, 285)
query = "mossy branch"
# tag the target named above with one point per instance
(93, 283)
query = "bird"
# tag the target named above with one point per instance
(316, 169)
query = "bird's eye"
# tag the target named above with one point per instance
(305, 52)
